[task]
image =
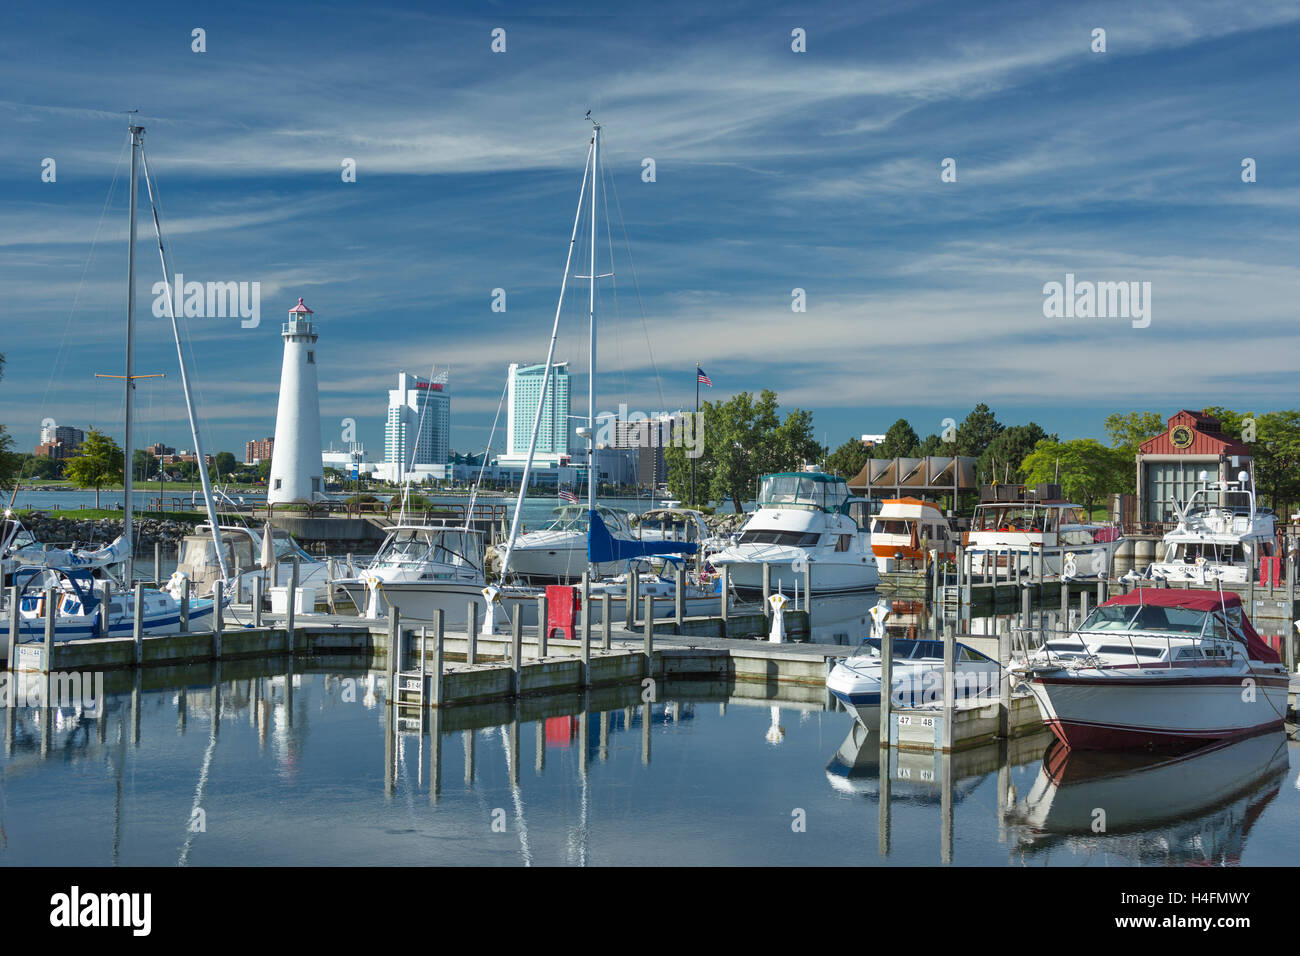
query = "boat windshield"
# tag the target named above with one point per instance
(569, 518)
(885, 526)
(1207, 499)
(574, 518)
(905, 648)
(1138, 617)
(1213, 552)
(667, 523)
(785, 491)
(422, 546)
(286, 548)
(789, 539)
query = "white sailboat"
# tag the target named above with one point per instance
(420, 569)
(84, 609)
(607, 548)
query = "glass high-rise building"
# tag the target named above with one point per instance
(418, 428)
(523, 392)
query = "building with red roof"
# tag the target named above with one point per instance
(1192, 450)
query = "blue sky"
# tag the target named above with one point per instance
(775, 170)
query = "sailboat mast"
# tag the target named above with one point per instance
(128, 539)
(546, 379)
(200, 458)
(591, 319)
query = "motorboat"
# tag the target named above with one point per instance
(420, 569)
(1043, 535)
(557, 554)
(905, 530)
(803, 519)
(917, 679)
(1220, 536)
(1162, 667)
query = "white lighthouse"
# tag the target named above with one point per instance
(296, 471)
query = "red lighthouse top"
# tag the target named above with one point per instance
(301, 309)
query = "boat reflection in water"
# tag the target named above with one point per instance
(915, 777)
(1193, 809)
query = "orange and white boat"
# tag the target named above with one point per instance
(905, 529)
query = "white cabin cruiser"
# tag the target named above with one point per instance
(558, 554)
(917, 677)
(905, 529)
(803, 519)
(1166, 668)
(419, 569)
(1042, 535)
(1221, 535)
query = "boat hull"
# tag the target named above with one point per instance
(1120, 709)
(557, 564)
(827, 577)
(419, 600)
(1090, 560)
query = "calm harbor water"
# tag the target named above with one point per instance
(537, 511)
(307, 769)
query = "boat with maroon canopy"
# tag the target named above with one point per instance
(1157, 668)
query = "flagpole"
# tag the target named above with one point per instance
(697, 425)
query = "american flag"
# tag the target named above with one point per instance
(567, 495)
(703, 379)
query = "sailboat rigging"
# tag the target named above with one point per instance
(84, 606)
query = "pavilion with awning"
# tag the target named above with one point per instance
(935, 474)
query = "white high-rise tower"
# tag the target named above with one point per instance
(296, 470)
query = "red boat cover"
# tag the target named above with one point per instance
(1201, 601)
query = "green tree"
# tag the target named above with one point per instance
(934, 445)
(225, 463)
(100, 461)
(1130, 429)
(849, 459)
(977, 431)
(1088, 469)
(900, 441)
(1002, 458)
(743, 439)
(1277, 470)
(35, 467)
(10, 461)
(144, 466)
